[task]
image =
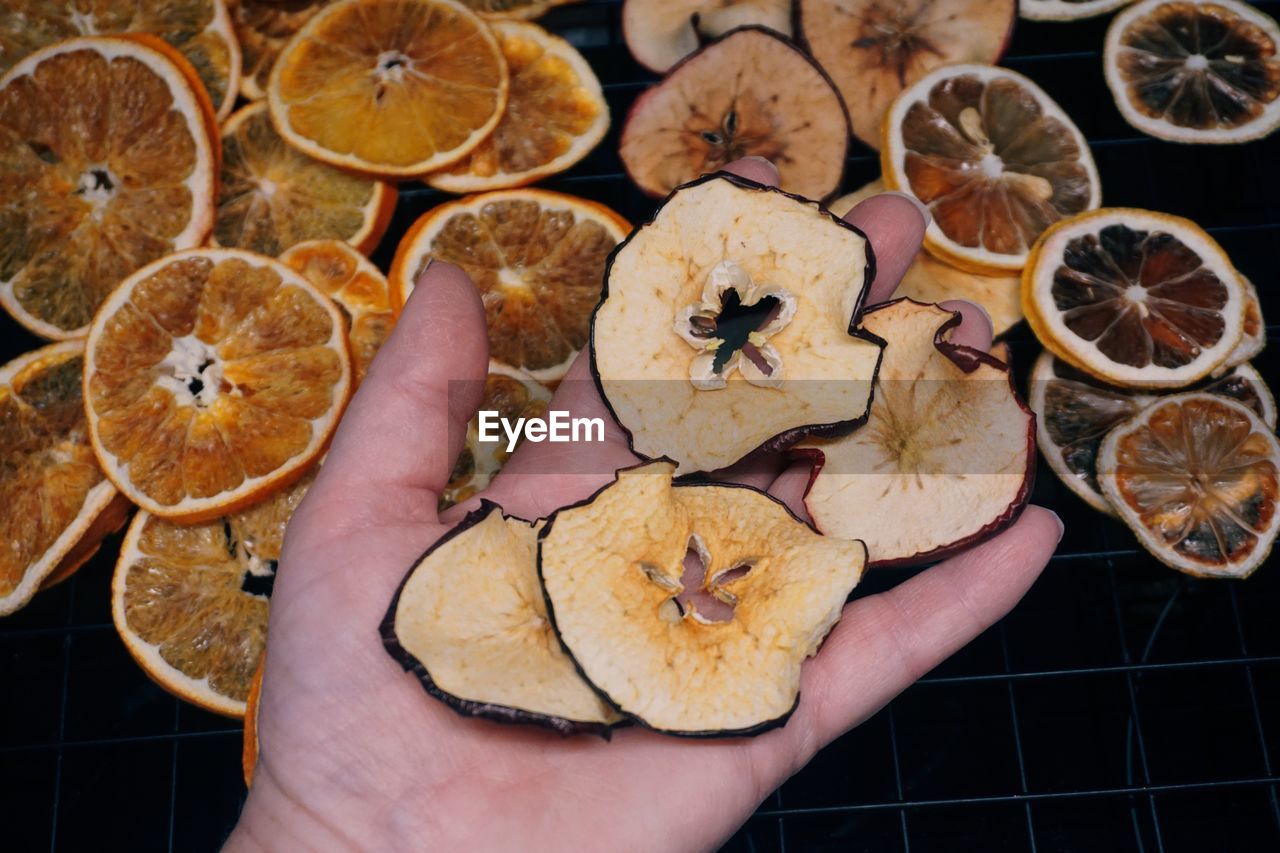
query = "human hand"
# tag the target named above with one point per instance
(354, 754)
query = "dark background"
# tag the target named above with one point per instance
(1121, 707)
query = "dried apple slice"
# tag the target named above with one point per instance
(947, 456)
(470, 621)
(728, 323)
(660, 33)
(1196, 477)
(749, 93)
(617, 571)
(873, 49)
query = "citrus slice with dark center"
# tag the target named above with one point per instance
(357, 286)
(660, 33)
(1197, 479)
(874, 49)
(190, 602)
(198, 29)
(213, 377)
(1066, 10)
(994, 158)
(1074, 413)
(389, 87)
(750, 93)
(273, 196)
(537, 258)
(1195, 72)
(555, 115)
(1135, 298)
(262, 27)
(57, 504)
(108, 164)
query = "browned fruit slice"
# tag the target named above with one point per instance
(249, 750)
(660, 33)
(623, 573)
(947, 456)
(873, 49)
(1253, 339)
(1197, 478)
(263, 27)
(498, 10)
(751, 93)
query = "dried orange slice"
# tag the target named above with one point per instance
(994, 158)
(357, 286)
(262, 27)
(1074, 412)
(108, 164)
(390, 87)
(513, 394)
(272, 196)
(213, 377)
(190, 602)
(1197, 479)
(1133, 297)
(513, 9)
(200, 30)
(57, 504)
(1205, 72)
(538, 260)
(1066, 10)
(556, 113)
(249, 751)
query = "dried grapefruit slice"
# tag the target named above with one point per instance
(1074, 412)
(359, 289)
(1195, 72)
(1066, 10)
(1197, 478)
(873, 49)
(57, 504)
(513, 394)
(107, 163)
(213, 377)
(262, 27)
(749, 93)
(190, 602)
(538, 260)
(994, 158)
(1133, 297)
(555, 115)
(389, 87)
(272, 196)
(200, 30)
(660, 33)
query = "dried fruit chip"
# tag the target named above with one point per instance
(1196, 477)
(213, 377)
(470, 621)
(1066, 10)
(1204, 72)
(947, 456)
(749, 93)
(497, 10)
(249, 749)
(1253, 338)
(729, 323)
(874, 49)
(660, 33)
(263, 27)
(1135, 298)
(621, 574)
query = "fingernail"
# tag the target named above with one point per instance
(917, 203)
(758, 159)
(1062, 528)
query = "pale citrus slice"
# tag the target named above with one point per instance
(994, 158)
(513, 9)
(538, 259)
(1074, 412)
(390, 87)
(511, 393)
(213, 377)
(357, 286)
(262, 27)
(1066, 10)
(556, 113)
(249, 749)
(931, 280)
(272, 196)
(106, 163)
(1197, 479)
(191, 601)
(199, 29)
(1195, 72)
(1133, 297)
(57, 504)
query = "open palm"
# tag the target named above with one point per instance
(355, 755)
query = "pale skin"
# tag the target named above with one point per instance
(356, 756)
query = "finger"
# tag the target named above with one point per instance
(755, 169)
(397, 443)
(895, 225)
(975, 329)
(790, 486)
